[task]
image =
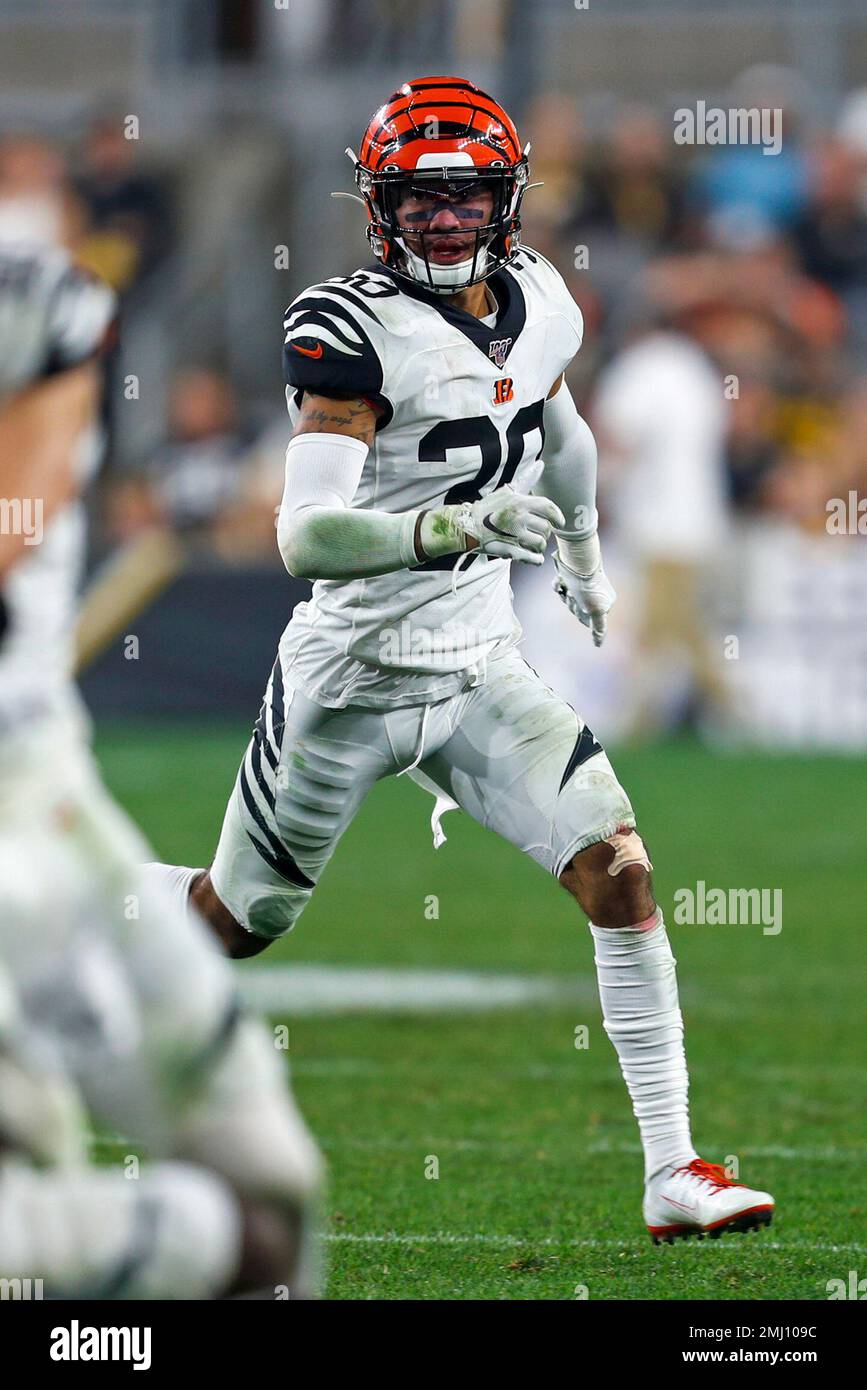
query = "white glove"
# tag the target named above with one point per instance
(505, 523)
(511, 524)
(588, 597)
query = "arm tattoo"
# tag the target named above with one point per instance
(329, 415)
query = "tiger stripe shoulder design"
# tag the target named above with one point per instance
(329, 329)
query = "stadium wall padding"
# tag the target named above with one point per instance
(205, 648)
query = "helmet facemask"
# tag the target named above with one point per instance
(405, 204)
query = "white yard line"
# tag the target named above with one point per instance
(445, 1144)
(449, 1144)
(303, 990)
(827, 1153)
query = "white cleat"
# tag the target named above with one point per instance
(700, 1199)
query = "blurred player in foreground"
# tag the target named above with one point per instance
(110, 1008)
(434, 442)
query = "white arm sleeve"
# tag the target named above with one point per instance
(320, 534)
(569, 456)
(569, 479)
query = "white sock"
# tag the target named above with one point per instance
(173, 881)
(641, 1014)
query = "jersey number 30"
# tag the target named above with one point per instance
(480, 431)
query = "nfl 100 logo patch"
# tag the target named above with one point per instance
(499, 350)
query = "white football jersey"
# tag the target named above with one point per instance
(462, 403)
(52, 317)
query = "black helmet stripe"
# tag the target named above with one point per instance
(446, 134)
(459, 105)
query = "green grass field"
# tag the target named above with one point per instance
(539, 1182)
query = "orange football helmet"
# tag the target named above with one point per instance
(442, 138)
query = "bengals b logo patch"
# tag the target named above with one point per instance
(503, 391)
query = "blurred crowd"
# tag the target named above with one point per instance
(758, 261)
(724, 372)
(683, 259)
(114, 216)
(215, 473)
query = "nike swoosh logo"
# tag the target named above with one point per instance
(690, 1211)
(491, 527)
(309, 352)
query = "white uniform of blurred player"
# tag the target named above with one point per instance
(110, 1007)
(435, 442)
(662, 419)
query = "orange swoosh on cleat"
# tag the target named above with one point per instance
(309, 352)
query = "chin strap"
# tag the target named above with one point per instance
(425, 273)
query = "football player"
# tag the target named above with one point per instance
(97, 1014)
(435, 441)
